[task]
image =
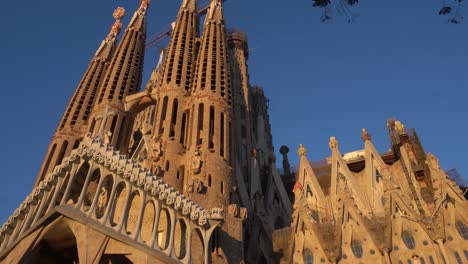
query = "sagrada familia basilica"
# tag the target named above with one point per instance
(183, 170)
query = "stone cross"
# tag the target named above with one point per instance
(104, 117)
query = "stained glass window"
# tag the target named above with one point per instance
(357, 248)
(308, 257)
(408, 239)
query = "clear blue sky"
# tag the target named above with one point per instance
(399, 60)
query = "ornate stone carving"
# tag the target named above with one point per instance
(234, 210)
(156, 149)
(198, 186)
(103, 199)
(217, 213)
(333, 143)
(302, 151)
(107, 138)
(196, 162)
(400, 128)
(365, 136)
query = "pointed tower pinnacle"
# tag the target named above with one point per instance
(215, 13)
(213, 73)
(125, 70)
(72, 126)
(180, 61)
(123, 77)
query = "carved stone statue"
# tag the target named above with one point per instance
(198, 186)
(102, 200)
(400, 128)
(107, 138)
(302, 150)
(156, 149)
(234, 210)
(333, 143)
(196, 163)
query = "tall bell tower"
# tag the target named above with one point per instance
(123, 77)
(72, 126)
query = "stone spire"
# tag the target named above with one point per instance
(123, 77)
(180, 59)
(213, 74)
(78, 109)
(211, 133)
(72, 126)
(125, 71)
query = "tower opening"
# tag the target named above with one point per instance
(163, 115)
(211, 128)
(200, 125)
(175, 106)
(183, 128)
(221, 136)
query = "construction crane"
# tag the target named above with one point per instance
(168, 30)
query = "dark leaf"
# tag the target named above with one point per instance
(445, 10)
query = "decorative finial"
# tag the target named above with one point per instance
(298, 187)
(145, 3)
(333, 143)
(302, 151)
(365, 136)
(399, 127)
(118, 14)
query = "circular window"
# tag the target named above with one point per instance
(356, 248)
(308, 257)
(408, 239)
(462, 229)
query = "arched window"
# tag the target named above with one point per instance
(62, 153)
(167, 166)
(409, 261)
(462, 229)
(408, 239)
(209, 180)
(421, 259)
(431, 260)
(308, 257)
(466, 254)
(356, 247)
(309, 193)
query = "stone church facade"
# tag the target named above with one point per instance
(184, 171)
